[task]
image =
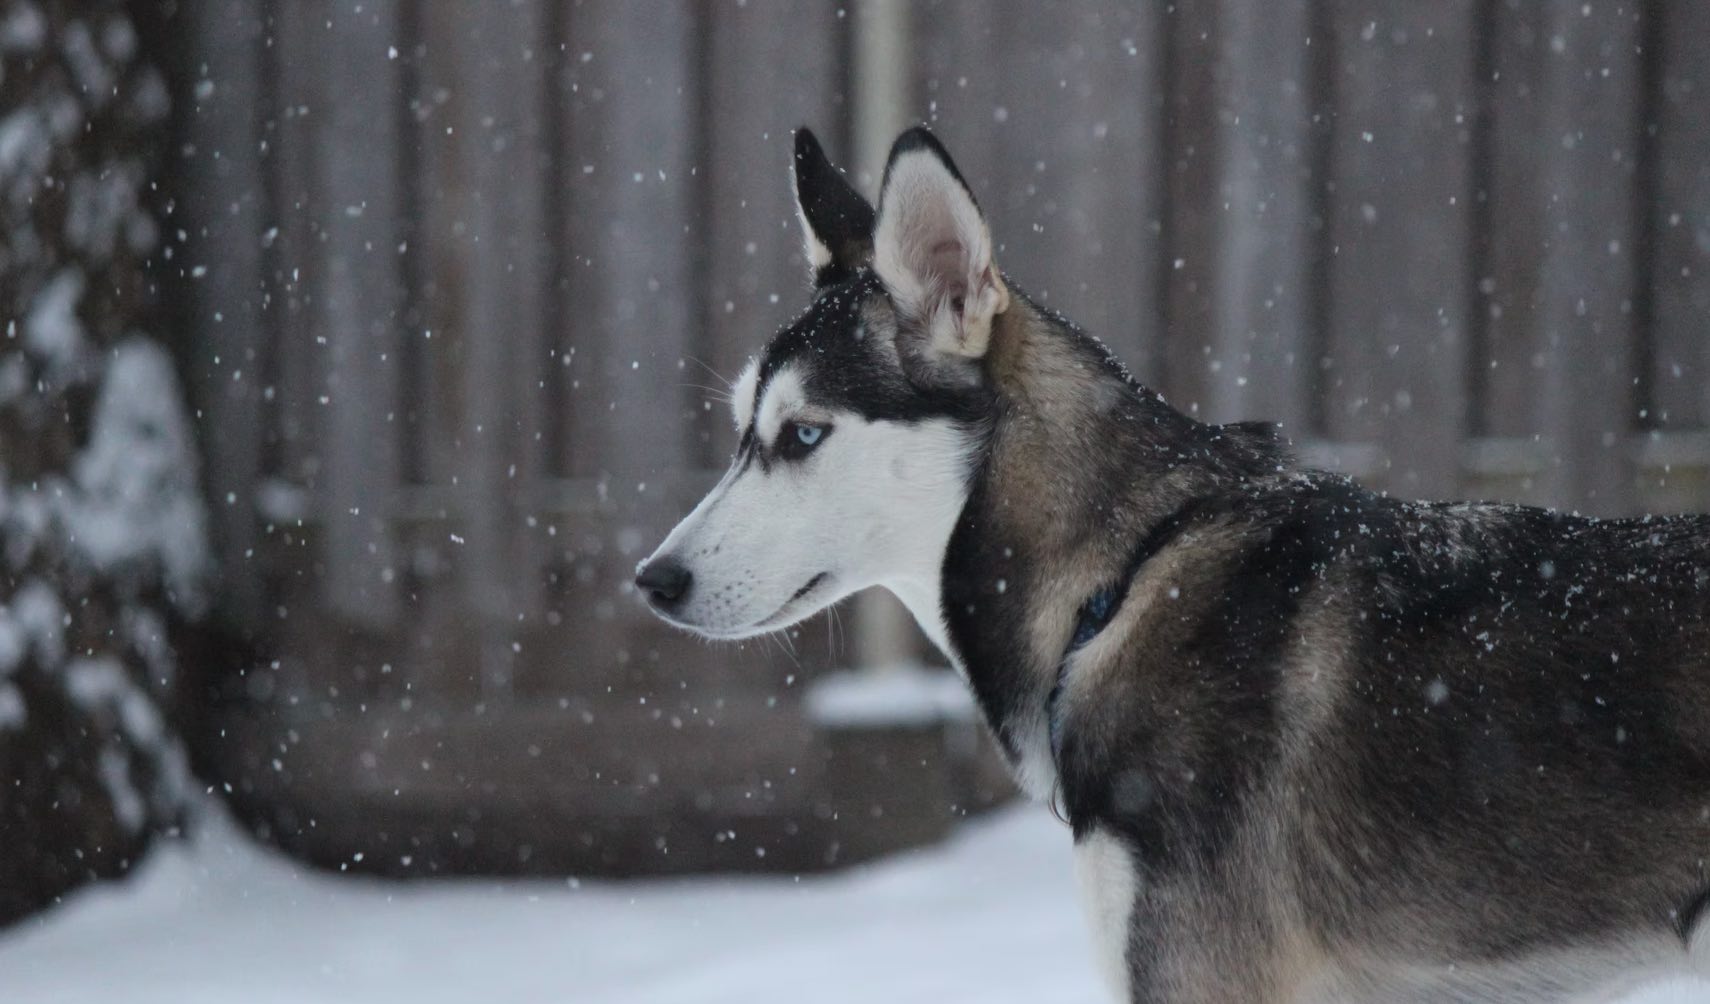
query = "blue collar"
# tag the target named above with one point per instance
(1098, 609)
(1095, 613)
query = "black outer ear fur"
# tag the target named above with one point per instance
(921, 138)
(839, 222)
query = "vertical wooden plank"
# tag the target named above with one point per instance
(502, 71)
(1264, 272)
(1190, 227)
(1241, 223)
(291, 261)
(1508, 291)
(485, 224)
(1679, 269)
(630, 125)
(756, 272)
(1055, 117)
(1563, 218)
(440, 345)
(631, 129)
(444, 634)
(878, 40)
(1399, 227)
(358, 306)
(957, 64)
(1079, 188)
(224, 215)
(1591, 123)
(291, 245)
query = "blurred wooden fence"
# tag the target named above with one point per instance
(460, 274)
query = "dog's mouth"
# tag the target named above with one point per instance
(784, 612)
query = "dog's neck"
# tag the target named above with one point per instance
(1081, 451)
(1078, 463)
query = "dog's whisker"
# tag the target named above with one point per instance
(716, 375)
(721, 395)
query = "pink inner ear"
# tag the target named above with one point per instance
(945, 259)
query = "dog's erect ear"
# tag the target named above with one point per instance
(836, 220)
(932, 249)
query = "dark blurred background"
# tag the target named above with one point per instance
(455, 287)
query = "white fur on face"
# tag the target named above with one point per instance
(872, 505)
(742, 394)
(785, 400)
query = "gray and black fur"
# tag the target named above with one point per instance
(1353, 748)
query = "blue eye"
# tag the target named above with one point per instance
(796, 439)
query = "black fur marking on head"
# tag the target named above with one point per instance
(837, 214)
(842, 365)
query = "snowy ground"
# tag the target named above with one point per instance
(987, 918)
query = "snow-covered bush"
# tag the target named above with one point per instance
(102, 528)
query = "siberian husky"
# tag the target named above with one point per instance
(1314, 743)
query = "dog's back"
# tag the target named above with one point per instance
(1411, 745)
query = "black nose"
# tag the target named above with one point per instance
(664, 581)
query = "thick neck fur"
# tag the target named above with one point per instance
(1078, 464)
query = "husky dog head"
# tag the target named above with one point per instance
(859, 420)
